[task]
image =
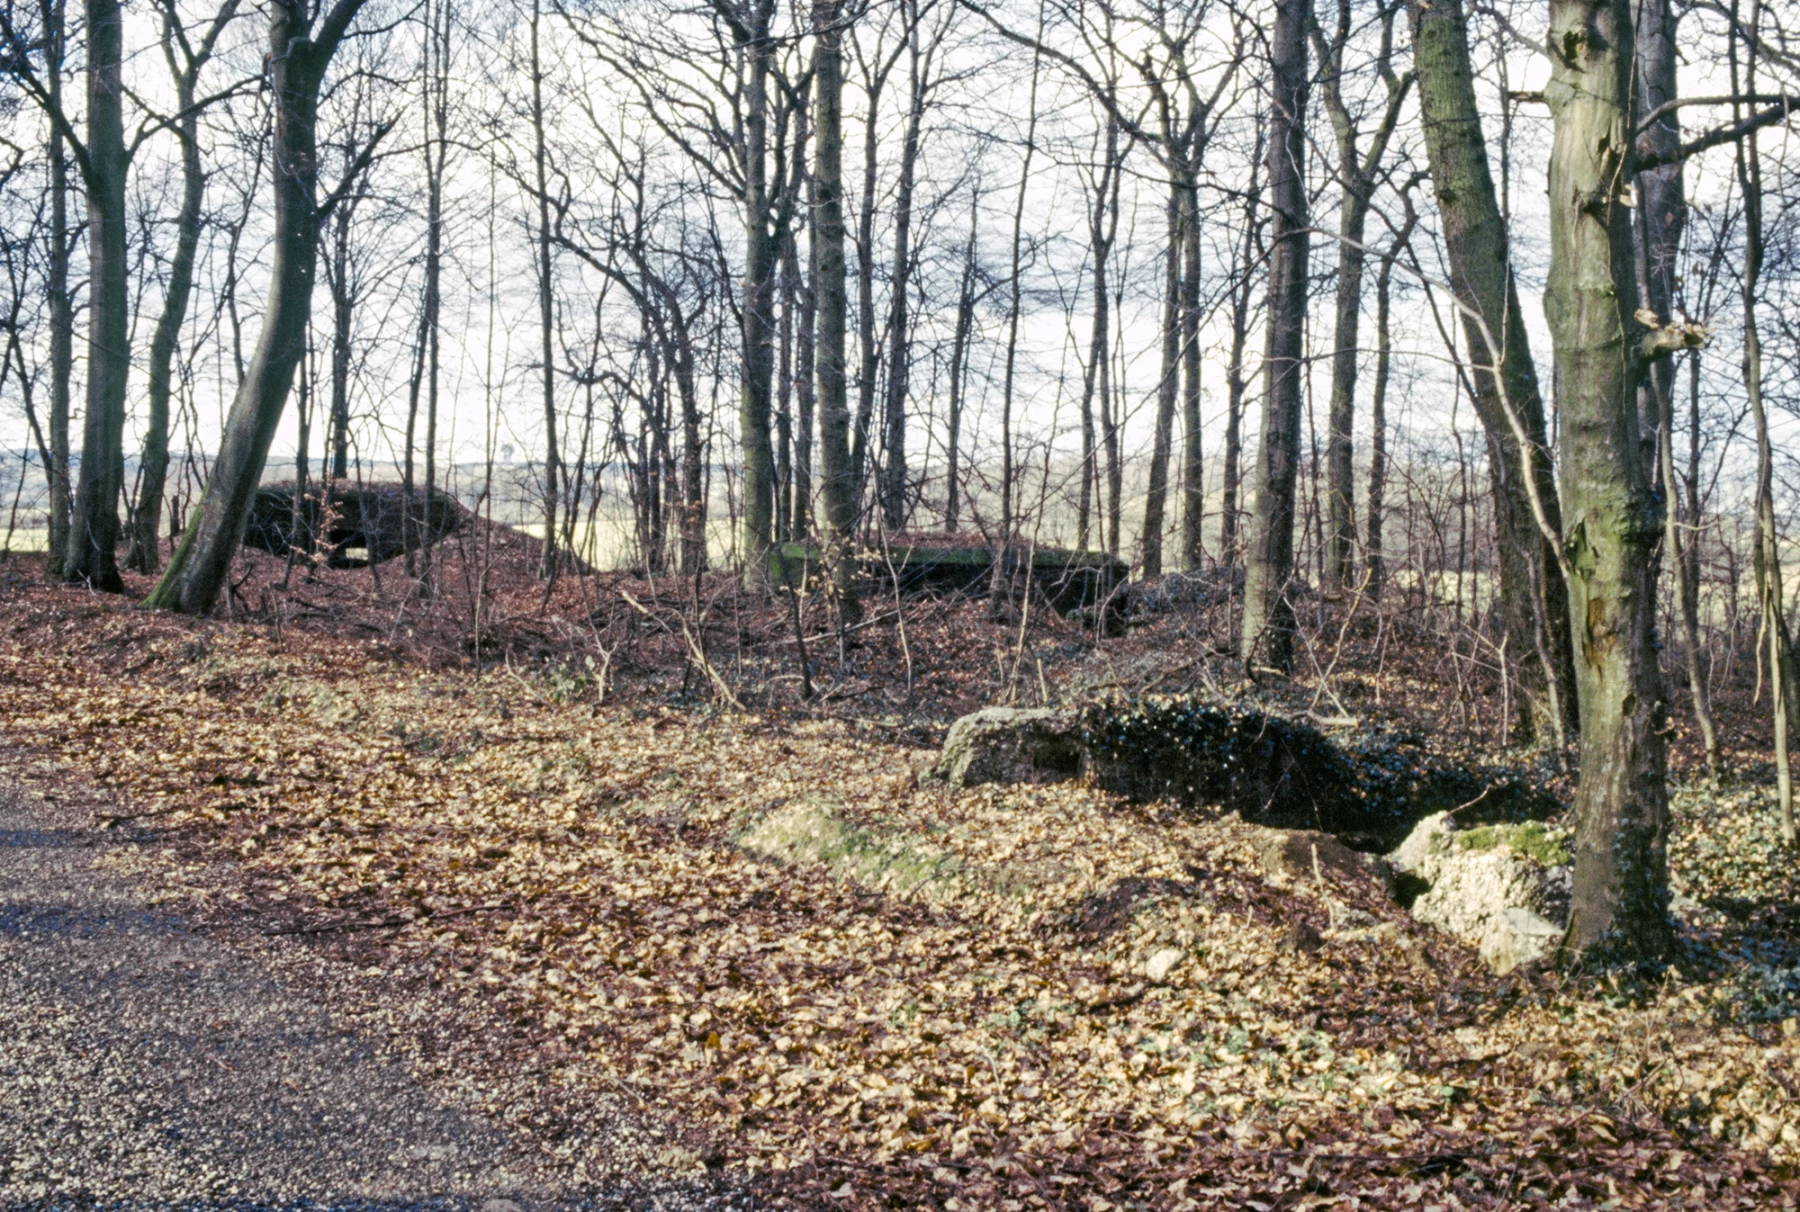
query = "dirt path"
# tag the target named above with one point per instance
(148, 1063)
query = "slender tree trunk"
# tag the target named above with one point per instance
(437, 148)
(1193, 495)
(1001, 578)
(1156, 494)
(298, 57)
(959, 359)
(868, 365)
(805, 393)
(1612, 526)
(1268, 634)
(62, 307)
(833, 305)
(1237, 383)
(1102, 226)
(1340, 492)
(343, 310)
(1533, 598)
(546, 285)
(146, 521)
(1376, 577)
(91, 555)
(1769, 586)
(895, 487)
(1686, 600)
(759, 327)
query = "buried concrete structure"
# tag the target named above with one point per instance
(1202, 753)
(1089, 585)
(341, 520)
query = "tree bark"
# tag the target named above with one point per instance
(895, 486)
(91, 554)
(62, 307)
(146, 520)
(1533, 598)
(840, 473)
(1612, 525)
(755, 402)
(1193, 495)
(1268, 634)
(959, 359)
(298, 56)
(1102, 228)
(546, 299)
(1156, 494)
(1375, 577)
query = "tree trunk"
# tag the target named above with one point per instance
(1533, 598)
(1156, 494)
(755, 402)
(437, 149)
(343, 311)
(1237, 383)
(62, 308)
(546, 285)
(1767, 556)
(91, 554)
(1376, 574)
(894, 486)
(1612, 527)
(1268, 635)
(1102, 227)
(959, 371)
(146, 521)
(805, 393)
(833, 304)
(868, 362)
(1193, 496)
(297, 63)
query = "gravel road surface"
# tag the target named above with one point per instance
(147, 1063)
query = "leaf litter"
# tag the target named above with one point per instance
(861, 992)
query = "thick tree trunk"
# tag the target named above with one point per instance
(91, 555)
(1612, 526)
(1533, 598)
(297, 62)
(833, 303)
(1268, 634)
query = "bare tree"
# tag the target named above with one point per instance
(301, 45)
(1268, 627)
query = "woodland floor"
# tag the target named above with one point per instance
(551, 822)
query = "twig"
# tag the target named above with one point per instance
(694, 650)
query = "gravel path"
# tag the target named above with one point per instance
(148, 1064)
